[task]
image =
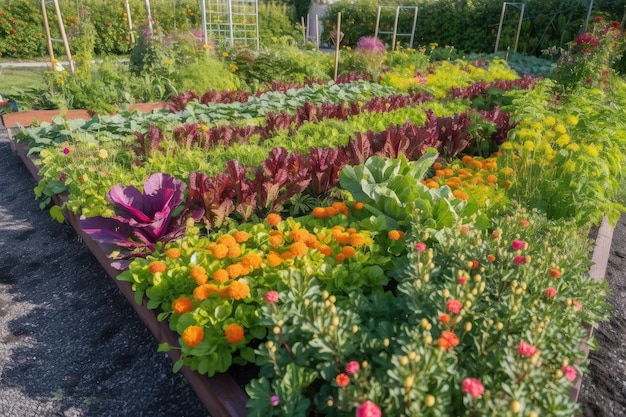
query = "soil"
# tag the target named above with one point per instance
(72, 346)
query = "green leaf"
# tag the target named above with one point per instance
(177, 365)
(57, 213)
(164, 347)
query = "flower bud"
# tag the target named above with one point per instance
(424, 322)
(307, 302)
(499, 326)
(325, 294)
(355, 328)
(468, 326)
(332, 299)
(335, 321)
(330, 402)
(415, 357)
(276, 330)
(477, 278)
(269, 344)
(428, 339)
(515, 407)
(445, 293)
(386, 342)
(408, 382)
(429, 400)
(404, 360)
(426, 277)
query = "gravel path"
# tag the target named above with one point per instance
(71, 345)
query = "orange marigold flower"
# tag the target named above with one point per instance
(394, 235)
(220, 251)
(325, 250)
(357, 239)
(221, 275)
(491, 258)
(448, 172)
(447, 340)
(274, 259)
(193, 335)
(241, 236)
(474, 264)
(358, 205)
(444, 318)
(460, 195)
(440, 173)
(276, 240)
(157, 266)
(173, 253)
(198, 273)
(234, 270)
(495, 234)
(340, 257)
(342, 380)
(506, 183)
(330, 211)
(299, 235)
(319, 213)
(251, 260)
(287, 255)
(437, 165)
(348, 251)
(203, 291)
(299, 248)
(238, 290)
(465, 230)
(467, 159)
(227, 240)
(245, 270)
(234, 333)
(555, 273)
(273, 219)
(234, 251)
(492, 179)
(181, 305)
(341, 207)
(341, 237)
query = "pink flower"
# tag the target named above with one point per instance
(352, 367)
(274, 400)
(369, 44)
(473, 387)
(420, 246)
(461, 280)
(368, 409)
(526, 349)
(519, 260)
(66, 151)
(454, 306)
(271, 296)
(519, 245)
(551, 292)
(524, 223)
(569, 372)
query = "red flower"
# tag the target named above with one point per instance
(551, 292)
(447, 340)
(444, 318)
(519, 260)
(420, 246)
(569, 372)
(461, 280)
(526, 349)
(454, 306)
(473, 387)
(519, 245)
(342, 380)
(368, 409)
(555, 273)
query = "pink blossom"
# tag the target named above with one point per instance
(454, 306)
(551, 292)
(368, 409)
(420, 247)
(461, 280)
(66, 151)
(369, 44)
(352, 367)
(570, 372)
(519, 260)
(519, 245)
(526, 349)
(274, 400)
(271, 296)
(473, 387)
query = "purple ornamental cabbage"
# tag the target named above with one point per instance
(141, 219)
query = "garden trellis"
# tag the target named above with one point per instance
(231, 21)
(49, 37)
(394, 33)
(519, 6)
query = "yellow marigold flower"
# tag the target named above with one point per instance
(560, 128)
(549, 121)
(563, 140)
(529, 145)
(273, 219)
(238, 290)
(592, 150)
(181, 305)
(193, 335)
(569, 166)
(102, 153)
(574, 147)
(221, 275)
(225, 54)
(356, 240)
(507, 146)
(220, 251)
(234, 251)
(234, 270)
(234, 333)
(572, 120)
(173, 253)
(157, 266)
(227, 240)
(274, 259)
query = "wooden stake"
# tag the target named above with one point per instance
(130, 23)
(337, 43)
(66, 44)
(48, 35)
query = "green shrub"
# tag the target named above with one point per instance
(274, 23)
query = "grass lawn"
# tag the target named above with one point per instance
(15, 80)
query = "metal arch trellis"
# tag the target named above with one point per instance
(231, 21)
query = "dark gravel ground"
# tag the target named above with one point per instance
(71, 345)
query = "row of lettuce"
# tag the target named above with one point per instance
(414, 246)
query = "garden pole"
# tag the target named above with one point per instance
(395, 29)
(317, 32)
(500, 27)
(338, 31)
(48, 35)
(205, 35)
(130, 23)
(149, 17)
(588, 14)
(66, 44)
(305, 28)
(519, 27)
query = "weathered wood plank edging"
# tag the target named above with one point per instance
(220, 394)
